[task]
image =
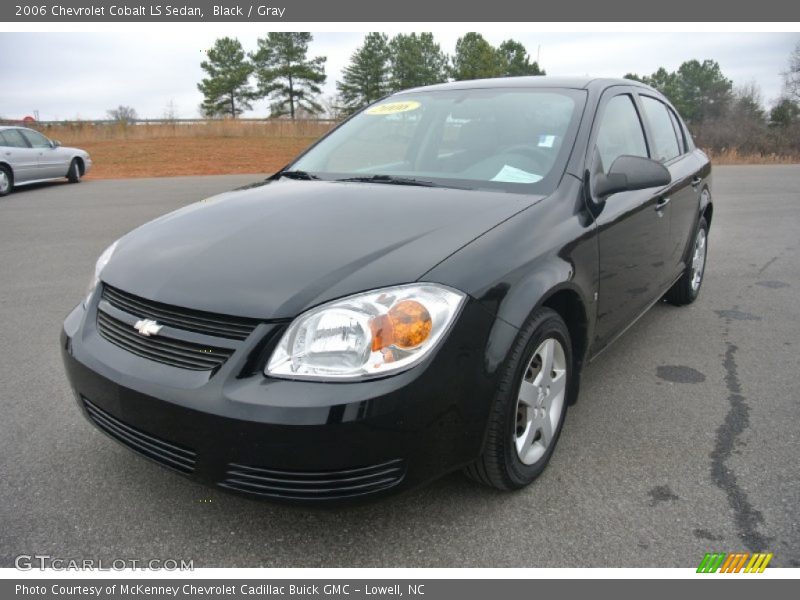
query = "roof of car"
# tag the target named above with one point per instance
(538, 81)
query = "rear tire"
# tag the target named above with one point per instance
(530, 405)
(687, 288)
(74, 173)
(6, 181)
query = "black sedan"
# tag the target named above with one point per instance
(416, 293)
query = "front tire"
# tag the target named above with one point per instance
(530, 405)
(6, 180)
(687, 288)
(74, 173)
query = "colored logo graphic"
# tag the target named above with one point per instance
(734, 563)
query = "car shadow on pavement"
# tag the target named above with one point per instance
(31, 187)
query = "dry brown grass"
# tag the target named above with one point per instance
(200, 148)
(734, 157)
(225, 146)
(87, 131)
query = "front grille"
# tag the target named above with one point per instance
(224, 326)
(314, 485)
(166, 453)
(170, 351)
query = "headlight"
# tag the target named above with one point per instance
(99, 266)
(366, 335)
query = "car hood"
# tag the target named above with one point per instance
(274, 250)
(73, 151)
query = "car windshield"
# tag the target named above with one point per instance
(510, 139)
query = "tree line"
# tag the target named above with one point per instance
(280, 70)
(724, 118)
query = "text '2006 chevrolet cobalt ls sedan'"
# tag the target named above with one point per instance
(414, 294)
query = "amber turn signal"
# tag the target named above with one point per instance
(406, 325)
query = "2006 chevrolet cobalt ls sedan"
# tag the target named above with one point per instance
(415, 294)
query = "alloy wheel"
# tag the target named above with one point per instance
(699, 259)
(540, 401)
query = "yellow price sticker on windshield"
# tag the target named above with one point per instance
(393, 107)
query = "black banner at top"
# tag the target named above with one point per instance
(399, 11)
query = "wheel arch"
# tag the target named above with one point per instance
(566, 299)
(81, 164)
(7, 167)
(568, 303)
(707, 212)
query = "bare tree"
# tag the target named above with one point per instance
(791, 77)
(123, 114)
(334, 107)
(171, 111)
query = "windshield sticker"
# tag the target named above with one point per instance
(546, 141)
(393, 108)
(513, 175)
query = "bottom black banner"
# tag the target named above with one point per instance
(366, 589)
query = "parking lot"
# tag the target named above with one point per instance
(686, 438)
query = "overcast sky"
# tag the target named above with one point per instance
(82, 75)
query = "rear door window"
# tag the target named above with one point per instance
(676, 123)
(665, 140)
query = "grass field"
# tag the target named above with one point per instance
(225, 146)
(734, 157)
(210, 148)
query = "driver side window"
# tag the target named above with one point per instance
(620, 131)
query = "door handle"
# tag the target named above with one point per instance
(662, 202)
(696, 181)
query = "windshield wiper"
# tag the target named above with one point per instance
(391, 180)
(297, 175)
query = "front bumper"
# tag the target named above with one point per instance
(289, 440)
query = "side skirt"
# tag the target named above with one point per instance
(633, 322)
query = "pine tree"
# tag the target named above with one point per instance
(416, 60)
(785, 113)
(285, 73)
(366, 78)
(475, 58)
(517, 60)
(226, 90)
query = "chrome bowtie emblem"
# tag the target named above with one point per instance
(147, 327)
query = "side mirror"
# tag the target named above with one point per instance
(629, 173)
(54, 143)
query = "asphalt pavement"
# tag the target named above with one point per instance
(685, 440)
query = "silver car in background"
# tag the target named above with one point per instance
(26, 156)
